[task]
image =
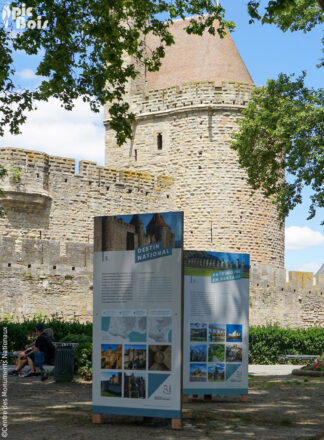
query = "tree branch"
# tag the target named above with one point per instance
(321, 3)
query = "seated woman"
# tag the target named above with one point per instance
(22, 356)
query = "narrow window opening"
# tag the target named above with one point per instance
(54, 267)
(73, 268)
(135, 152)
(9, 264)
(159, 141)
(29, 266)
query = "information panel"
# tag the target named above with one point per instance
(216, 325)
(138, 314)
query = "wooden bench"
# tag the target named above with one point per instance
(302, 357)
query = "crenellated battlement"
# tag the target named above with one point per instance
(265, 276)
(190, 96)
(32, 171)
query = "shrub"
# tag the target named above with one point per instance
(83, 360)
(22, 333)
(268, 343)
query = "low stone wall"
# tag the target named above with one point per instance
(67, 291)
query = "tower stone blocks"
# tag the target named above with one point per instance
(196, 123)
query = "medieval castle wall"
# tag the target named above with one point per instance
(46, 233)
(46, 242)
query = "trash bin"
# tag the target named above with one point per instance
(64, 362)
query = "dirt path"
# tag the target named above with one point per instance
(278, 408)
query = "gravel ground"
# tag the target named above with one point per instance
(279, 407)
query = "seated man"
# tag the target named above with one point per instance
(43, 351)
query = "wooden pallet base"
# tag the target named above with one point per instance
(176, 423)
(96, 418)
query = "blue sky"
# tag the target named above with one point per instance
(266, 52)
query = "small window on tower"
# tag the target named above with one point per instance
(135, 151)
(159, 141)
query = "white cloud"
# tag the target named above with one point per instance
(298, 238)
(27, 74)
(51, 129)
(313, 266)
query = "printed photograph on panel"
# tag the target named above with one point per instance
(134, 357)
(135, 385)
(198, 353)
(111, 356)
(124, 328)
(160, 329)
(216, 372)
(216, 353)
(111, 384)
(160, 357)
(198, 332)
(128, 232)
(198, 373)
(219, 266)
(216, 333)
(233, 353)
(233, 333)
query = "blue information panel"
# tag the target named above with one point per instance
(216, 323)
(138, 314)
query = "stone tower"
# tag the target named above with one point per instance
(185, 115)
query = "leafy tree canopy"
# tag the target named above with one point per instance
(283, 129)
(82, 52)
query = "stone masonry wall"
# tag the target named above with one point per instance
(51, 202)
(66, 291)
(298, 303)
(196, 123)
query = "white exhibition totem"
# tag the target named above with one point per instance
(137, 323)
(216, 324)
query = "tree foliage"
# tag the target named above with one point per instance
(84, 51)
(293, 15)
(87, 50)
(283, 130)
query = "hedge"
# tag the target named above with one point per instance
(266, 343)
(20, 334)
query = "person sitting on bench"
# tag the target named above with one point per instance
(43, 351)
(22, 356)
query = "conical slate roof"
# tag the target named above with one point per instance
(136, 220)
(157, 220)
(195, 58)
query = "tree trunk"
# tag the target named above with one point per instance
(321, 3)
